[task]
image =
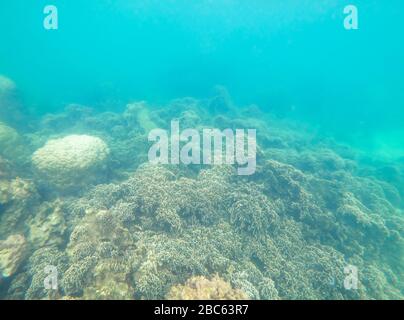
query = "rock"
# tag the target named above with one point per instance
(16, 190)
(48, 226)
(12, 253)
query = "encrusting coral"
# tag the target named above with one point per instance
(13, 251)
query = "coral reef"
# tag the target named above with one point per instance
(142, 231)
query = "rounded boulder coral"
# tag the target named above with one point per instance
(72, 160)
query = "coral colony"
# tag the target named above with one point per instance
(84, 214)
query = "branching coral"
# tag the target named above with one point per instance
(250, 210)
(98, 252)
(173, 219)
(15, 190)
(37, 270)
(286, 232)
(161, 261)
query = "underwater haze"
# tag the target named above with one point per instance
(84, 86)
(291, 56)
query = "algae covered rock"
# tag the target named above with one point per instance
(138, 114)
(12, 253)
(201, 288)
(71, 161)
(37, 268)
(47, 227)
(16, 190)
(108, 284)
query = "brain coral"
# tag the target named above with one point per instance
(70, 160)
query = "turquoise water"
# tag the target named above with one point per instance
(328, 107)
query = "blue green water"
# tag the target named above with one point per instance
(293, 59)
(273, 53)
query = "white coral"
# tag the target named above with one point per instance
(70, 159)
